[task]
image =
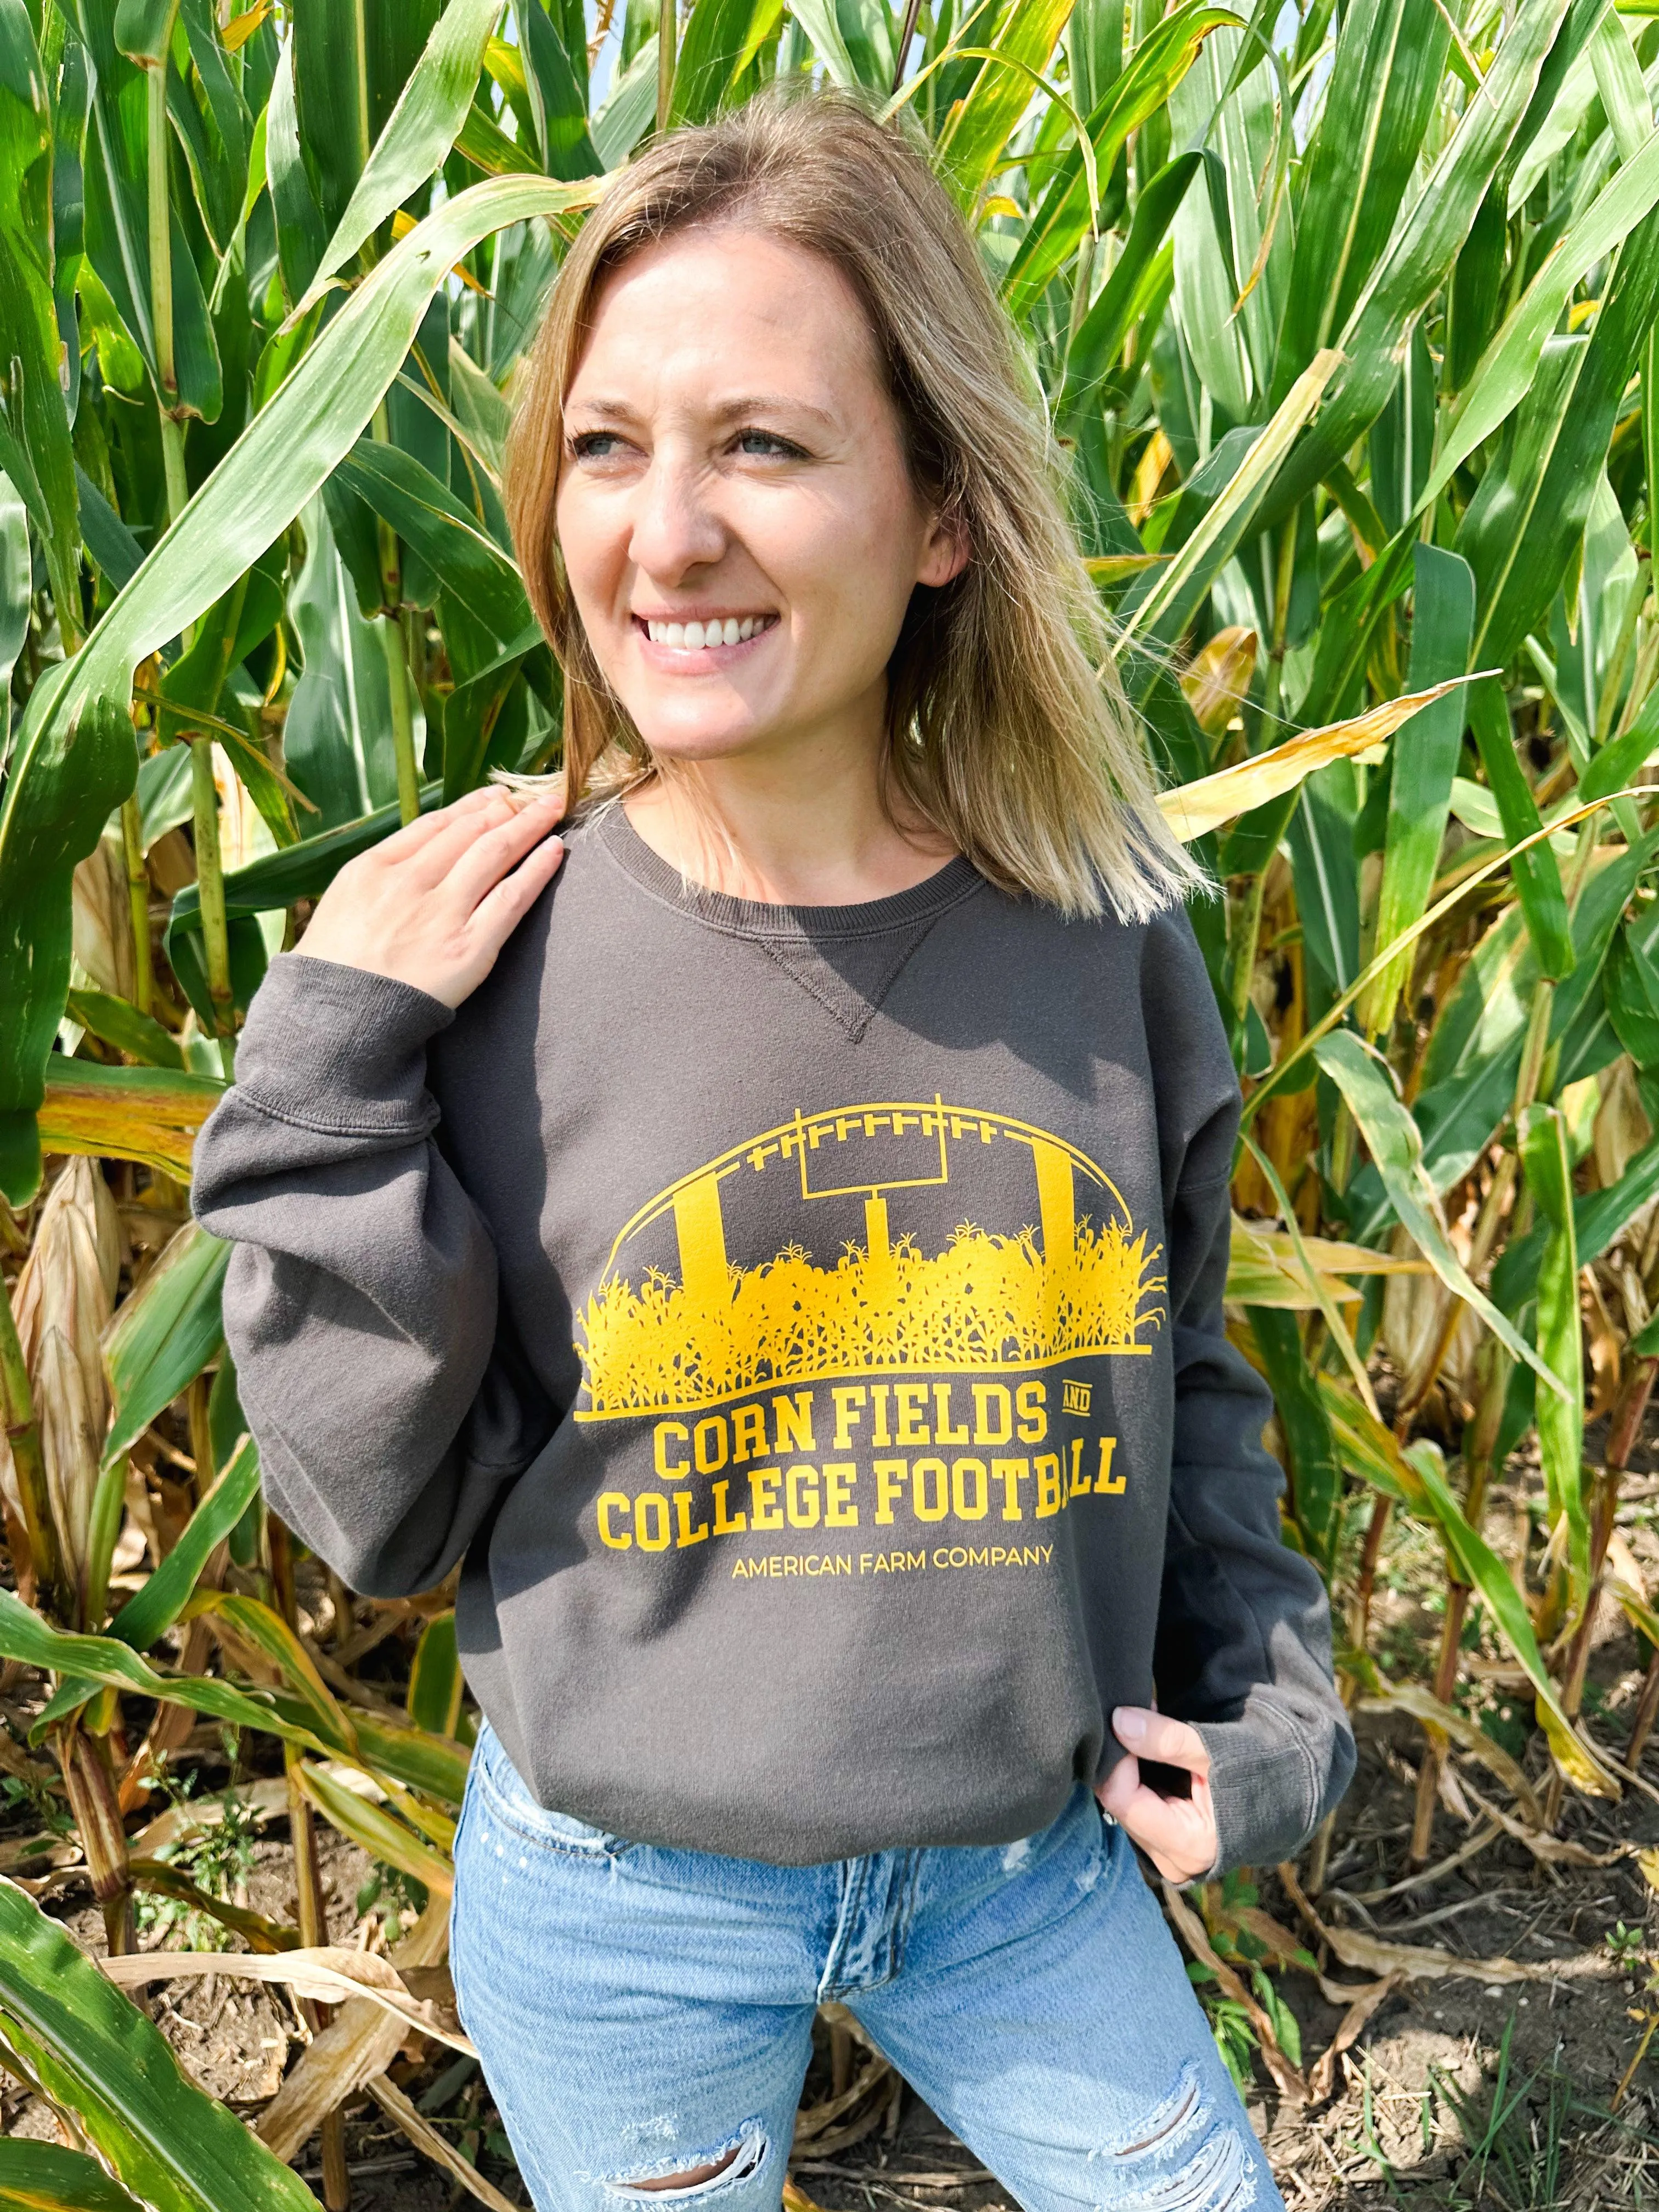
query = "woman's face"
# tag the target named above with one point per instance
(736, 516)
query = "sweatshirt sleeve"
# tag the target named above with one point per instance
(1243, 1647)
(359, 1302)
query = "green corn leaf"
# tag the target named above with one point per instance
(1385, 79)
(16, 587)
(1064, 216)
(1173, 592)
(1529, 514)
(423, 126)
(1505, 371)
(629, 110)
(89, 2048)
(43, 2177)
(972, 141)
(556, 78)
(76, 758)
(380, 1833)
(1141, 268)
(818, 20)
(139, 1035)
(117, 224)
(143, 29)
(1481, 1566)
(301, 236)
(351, 65)
(147, 1616)
(1426, 756)
(1420, 253)
(1396, 1145)
(473, 568)
(34, 430)
(262, 1631)
(414, 1756)
(102, 1659)
(1537, 878)
(470, 713)
(722, 40)
(1315, 1471)
(1548, 1164)
(436, 1682)
(164, 1335)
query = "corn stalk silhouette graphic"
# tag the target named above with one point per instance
(988, 1301)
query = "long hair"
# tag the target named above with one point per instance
(1007, 731)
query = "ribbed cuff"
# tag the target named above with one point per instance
(1265, 1790)
(337, 1049)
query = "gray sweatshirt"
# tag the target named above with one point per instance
(805, 1325)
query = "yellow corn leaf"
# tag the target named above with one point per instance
(1214, 799)
(1467, 1733)
(146, 1114)
(1264, 1270)
(1113, 568)
(381, 1835)
(1218, 678)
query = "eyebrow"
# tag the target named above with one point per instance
(727, 410)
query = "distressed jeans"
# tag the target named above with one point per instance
(642, 2012)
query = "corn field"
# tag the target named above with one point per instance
(1344, 316)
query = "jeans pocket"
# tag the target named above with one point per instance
(511, 1802)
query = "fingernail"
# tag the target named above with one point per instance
(1128, 1725)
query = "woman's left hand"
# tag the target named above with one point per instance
(1178, 1834)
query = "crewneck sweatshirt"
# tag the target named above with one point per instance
(804, 1325)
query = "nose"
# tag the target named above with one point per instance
(675, 531)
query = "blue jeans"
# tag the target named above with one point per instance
(642, 2012)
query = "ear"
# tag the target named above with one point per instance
(945, 552)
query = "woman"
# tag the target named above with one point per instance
(774, 1238)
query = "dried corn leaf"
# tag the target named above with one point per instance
(1417, 1962)
(1194, 1935)
(426, 2139)
(355, 2048)
(102, 920)
(64, 1294)
(1264, 1268)
(812, 2121)
(1322, 2078)
(327, 1972)
(1469, 1734)
(1214, 799)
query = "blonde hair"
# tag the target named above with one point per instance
(1007, 730)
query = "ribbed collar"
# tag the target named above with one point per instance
(898, 915)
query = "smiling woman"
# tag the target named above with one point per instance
(771, 339)
(835, 1127)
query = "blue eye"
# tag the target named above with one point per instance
(768, 445)
(592, 445)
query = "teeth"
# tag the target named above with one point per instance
(694, 637)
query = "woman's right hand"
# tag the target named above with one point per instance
(433, 905)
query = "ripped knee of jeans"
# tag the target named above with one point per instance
(704, 2173)
(1183, 2157)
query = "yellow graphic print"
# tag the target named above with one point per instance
(1077, 1279)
